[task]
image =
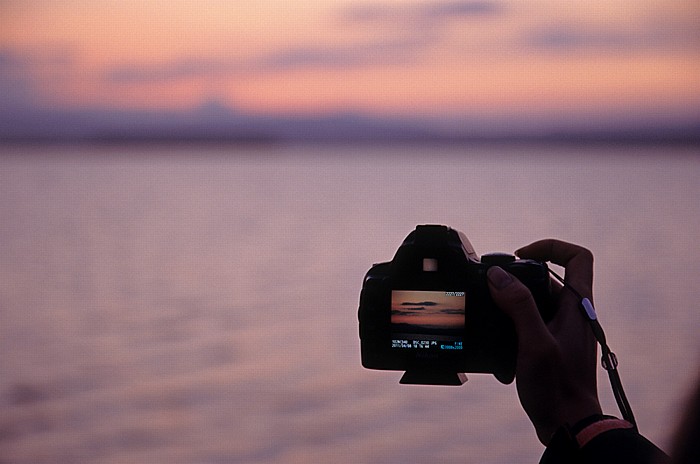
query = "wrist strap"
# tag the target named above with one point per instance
(609, 360)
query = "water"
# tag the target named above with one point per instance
(198, 305)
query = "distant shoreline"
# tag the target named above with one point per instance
(573, 139)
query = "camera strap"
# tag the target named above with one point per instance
(608, 358)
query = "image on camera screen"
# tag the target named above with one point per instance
(432, 320)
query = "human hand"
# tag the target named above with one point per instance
(556, 364)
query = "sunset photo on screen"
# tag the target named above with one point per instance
(427, 312)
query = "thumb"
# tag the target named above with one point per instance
(515, 299)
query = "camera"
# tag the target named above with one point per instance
(429, 311)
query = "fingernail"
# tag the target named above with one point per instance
(498, 277)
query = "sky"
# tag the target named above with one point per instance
(527, 60)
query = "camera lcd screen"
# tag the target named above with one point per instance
(432, 320)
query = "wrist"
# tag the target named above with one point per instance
(573, 417)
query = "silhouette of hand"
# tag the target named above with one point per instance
(556, 364)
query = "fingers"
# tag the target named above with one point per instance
(516, 301)
(568, 327)
(577, 261)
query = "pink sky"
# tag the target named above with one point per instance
(492, 58)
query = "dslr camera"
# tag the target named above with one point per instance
(429, 311)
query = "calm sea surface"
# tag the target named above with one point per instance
(199, 305)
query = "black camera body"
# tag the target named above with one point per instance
(429, 311)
